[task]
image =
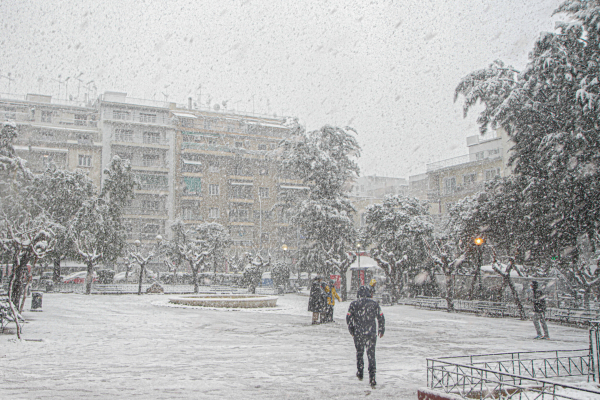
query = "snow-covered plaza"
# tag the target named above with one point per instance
(141, 347)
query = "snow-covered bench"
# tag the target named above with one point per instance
(6, 315)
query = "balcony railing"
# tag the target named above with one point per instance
(459, 190)
(143, 211)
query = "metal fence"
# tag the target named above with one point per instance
(522, 375)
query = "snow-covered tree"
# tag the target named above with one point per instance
(325, 160)
(60, 193)
(26, 240)
(448, 255)
(550, 111)
(280, 275)
(397, 229)
(143, 254)
(252, 275)
(217, 240)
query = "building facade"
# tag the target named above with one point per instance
(142, 132)
(53, 132)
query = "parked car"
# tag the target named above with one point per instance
(131, 278)
(79, 277)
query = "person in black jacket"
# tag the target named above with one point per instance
(364, 314)
(316, 301)
(539, 311)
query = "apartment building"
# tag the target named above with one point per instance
(227, 172)
(50, 131)
(372, 189)
(456, 178)
(142, 132)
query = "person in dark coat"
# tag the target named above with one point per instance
(316, 302)
(365, 321)
(539, 311)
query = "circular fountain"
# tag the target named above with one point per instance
(226, 300)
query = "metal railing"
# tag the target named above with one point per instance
(522, 375)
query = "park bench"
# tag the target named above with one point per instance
(6, 316)
(575, 316)
(492, 309)
(428, 302)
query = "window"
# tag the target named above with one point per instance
(241, 191)
(213, 213)
(493, 152)
(207, 124)
(121, 114)
(80, 119)
(84, 139)
(213, 166)
(230, 127)
(469, 179)
(213, 189)
(151, 137)
(46, 116)
(125, 156)
(150, 160)
(242, 170)
(187, 122)
(85, 161)
(192, 185)
(11, 112)
(449, 185)
(263, 192)
(479, 156)
(150, 205)
(191, 163)
(239, 215)
(123, 135)
(262, 147)
(190, 213)
(151, 229)
(239, 144)
(152, 181)
(266, 215)
(263, 170)
(492, 173)
(47, 135)
(148, 118)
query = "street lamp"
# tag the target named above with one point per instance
(479, 241)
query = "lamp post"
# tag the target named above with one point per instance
(479, 241)
(361, 274)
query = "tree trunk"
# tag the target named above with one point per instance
(515, 294)
(20, 273)
(474, 282)
(195, 278)
(449, 292)
(56, 271)
(142, 268)
(89, 278)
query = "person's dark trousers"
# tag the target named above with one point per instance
(361, 343)
(329, 313)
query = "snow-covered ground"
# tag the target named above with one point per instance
(139, 347)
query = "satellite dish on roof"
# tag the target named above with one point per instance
(217, 107)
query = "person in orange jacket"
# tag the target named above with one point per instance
(331, 296)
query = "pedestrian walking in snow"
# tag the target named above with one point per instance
(325, 312)
(316, 303)
(331, 296)
(539, 311)
(364, 316)
(372, 286)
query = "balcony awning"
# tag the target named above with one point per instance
(294, 187)
(184, 115)
(242, 183)
(50, 149)
(190, 162)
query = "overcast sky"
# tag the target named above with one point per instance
(386, 68)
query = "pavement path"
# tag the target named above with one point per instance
(140, 347)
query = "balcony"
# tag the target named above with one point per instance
(144, 211)
(457, 191)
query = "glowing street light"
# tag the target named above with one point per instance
(479, 241)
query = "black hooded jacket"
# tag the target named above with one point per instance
(362, 315)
